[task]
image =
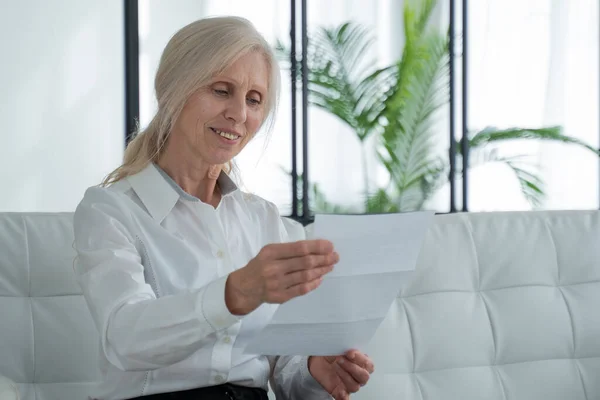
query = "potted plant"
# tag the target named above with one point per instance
(398, 104)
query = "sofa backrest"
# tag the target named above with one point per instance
(501, 306)
(48, 341)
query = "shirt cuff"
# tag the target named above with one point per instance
(214, 309)
(310, 384)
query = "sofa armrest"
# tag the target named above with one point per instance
(8, 389)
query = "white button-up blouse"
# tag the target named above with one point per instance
(152, 262)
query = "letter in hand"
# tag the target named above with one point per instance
(279, 273)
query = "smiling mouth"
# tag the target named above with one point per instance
(226, 135)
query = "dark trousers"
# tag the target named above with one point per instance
(221, 392)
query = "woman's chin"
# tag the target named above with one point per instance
(220, 157)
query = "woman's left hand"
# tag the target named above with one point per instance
(341, 375)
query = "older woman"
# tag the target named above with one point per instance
(179, 267)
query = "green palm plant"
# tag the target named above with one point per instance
(483, 143)
(420, 90)
(399, 104)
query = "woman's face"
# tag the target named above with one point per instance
(218, 120)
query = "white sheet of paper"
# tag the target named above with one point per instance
(377, 252)
(374, 243)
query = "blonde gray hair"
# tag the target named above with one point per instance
(193, 56)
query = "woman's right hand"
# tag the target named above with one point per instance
(279, 273)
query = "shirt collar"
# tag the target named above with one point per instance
(159, 192)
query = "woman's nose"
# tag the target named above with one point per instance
(236, 110)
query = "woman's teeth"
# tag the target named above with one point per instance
(226, 135)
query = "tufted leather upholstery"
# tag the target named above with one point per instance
(502, 306)
(49, 341)
(8, 389)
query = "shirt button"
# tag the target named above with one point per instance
(227, 339)
(220, 254)
(219, 379)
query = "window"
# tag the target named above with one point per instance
(534, 64)
(538, 78)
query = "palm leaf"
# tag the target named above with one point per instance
(408, 135)
(342, 79)
(318, 202)
(411, 106)
(554, 133)
(381, 202)
(531, 184)
(373, 93)
(434, 179)
(417, 14)
(282, 53)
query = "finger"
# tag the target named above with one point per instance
(330, 359)
(341, 395)
(283, 251)
(290, 281)
(350, 383)
(307, 275)
(302, 289)
(210, 183)
(214, 171)
(358, 373)
(361, 359)
(308, 262)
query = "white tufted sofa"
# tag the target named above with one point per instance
(503, 306)
(48, 340)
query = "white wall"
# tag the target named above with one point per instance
(62, 113)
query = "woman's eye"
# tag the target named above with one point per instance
(221, 92)
(254, 101)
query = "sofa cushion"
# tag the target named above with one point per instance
(49, 343)
(501, 306)
(8, 389)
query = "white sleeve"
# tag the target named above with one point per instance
(137, 330)
(291, 380)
